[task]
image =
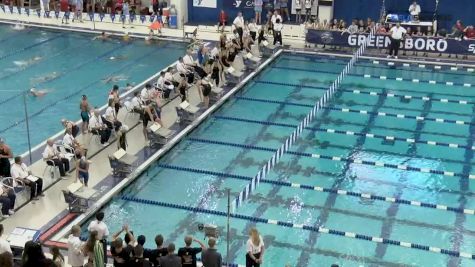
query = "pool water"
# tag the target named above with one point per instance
(232, 145)
(67, 65)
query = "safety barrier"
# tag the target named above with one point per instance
(249, 188)
(368, 76)
(372, 93)
(366, 112)
(323, 230)
(325, 190)
(79, 91)
(351, 133)
(341, 159)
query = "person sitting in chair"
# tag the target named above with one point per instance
(52, 154)
(110, 117)
(21, 173)
(7, 199)
(98, 127)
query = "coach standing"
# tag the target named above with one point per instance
(239, 25)
(396, 34)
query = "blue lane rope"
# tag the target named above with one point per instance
(77, 92)
(375, 239)
(30, 46)
(377, 77)
(351, 133)
(21, 92)
(380, 114)
(250, 187)
(325, 190)
(341, 159)
(326, 59)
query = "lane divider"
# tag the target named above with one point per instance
(368, 76)
(323, 230)
(30, 46)
(373, 93)
(331, 60)
(342, 159)
(325, 190)
(380, 114)
(351, 133)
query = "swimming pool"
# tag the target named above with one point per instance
(398, 133)
(68, 65)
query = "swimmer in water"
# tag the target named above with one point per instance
(102, 37)
(118, 58)
(115, 79)
(26, 63)
(19, 27)
(38, 93)
(46, 77)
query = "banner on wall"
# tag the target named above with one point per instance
(205, 3)
(421, 44)
(239, 4)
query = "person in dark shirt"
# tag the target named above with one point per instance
(188, 254)
(138, 260)
(122, 255)
(157, 253)
(211, 257)
(171, 260)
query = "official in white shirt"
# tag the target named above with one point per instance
(21, 172)
(252, 26)
(397, 34)
(102, 231)
(183, 69)
(110, 117)
(75, 255)
(51, 153)
(97, 127)
(275, 17)
(239, 24)
(70, 143)
(415, 10)
(164, 85)
(191, 63)
(4, 245)
(278, 32)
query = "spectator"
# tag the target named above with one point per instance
(98, 127)
(469, 32)
(102, 231)
(52, 154)
(138, 259)
(352, 29)
(284, 11)
(94, 250)
(4, 245)
(5, 155)
(188, 253)
(418, 31)
(7, 199)
(457, 31)
(75, 255)
(361, 26)
(415, 10)
(21, 173)
(122, 255)
(298, 11)
(6, 259)
(58, 258)
(381, 29)
(308, 9)
(258, 10)
(397, 33)
(171, 260)
(255, 249)
(211, 257)
(222, 20)
(159, 252)
(32, 254)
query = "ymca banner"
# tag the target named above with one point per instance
(239, 4)
(205, 3)
(415, 43)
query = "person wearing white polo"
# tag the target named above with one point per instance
(415, 10)
(239, 25)
(396, 33)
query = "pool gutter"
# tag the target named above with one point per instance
(175, 140)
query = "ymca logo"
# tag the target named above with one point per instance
(237, 3)
(243, 3)
(197, 2)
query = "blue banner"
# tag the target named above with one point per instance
(11, 9)
(414, 43)
(132, 18)
(56, 14)
(152, 18)
(122, 18)
(47, 14)
(27, 11)
(112, 17)
(142, 18)
(38, 12)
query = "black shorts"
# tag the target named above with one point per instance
(298, 10)
(223, 23)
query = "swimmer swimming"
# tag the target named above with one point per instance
(115, 79)
(118, 57)
(26, 63)
(103, 37)
(18, 27)
(46, 77)
(38, 93)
